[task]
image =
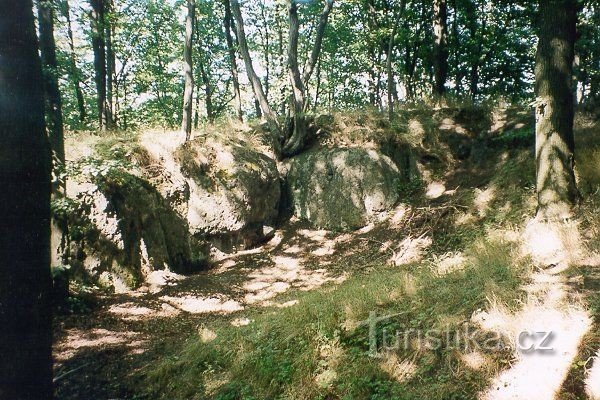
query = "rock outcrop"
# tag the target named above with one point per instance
(341, 188)
(234, 192)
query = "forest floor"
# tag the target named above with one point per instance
(433, 245)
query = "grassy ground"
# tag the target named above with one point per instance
(321, 347)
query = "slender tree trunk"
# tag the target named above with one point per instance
(318, 87)
(208, 91)
(457, 50)
(316, 50)
(259, 93)
(440, 46)
(54, 121)
(237, 97)
(110, 66)
(197, 108)
(296, 141)
(25, 163)
(99, 47)
(556, 187)
(74, 71)
(188, 91)
(266, 46)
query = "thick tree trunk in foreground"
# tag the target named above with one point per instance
(556, 187)
(54, 121)
(440, 46)
(73, 70)
(99, 47)
(25, 284)
(237, 97)
(188, 91)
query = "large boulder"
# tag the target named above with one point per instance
(341, 188)
(124, 229)
(234, 192)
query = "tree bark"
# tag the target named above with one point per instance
(296, 141)
(99, 47)
(208, 91)
(237, 97)
(391, 83)
(556, 187)
(53, 105)
(259, 93)
(25, 163)
(440, 46)
(316, 50)
(73, 70)
(188, 91)
(110, 66)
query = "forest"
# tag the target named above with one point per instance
(300, 199)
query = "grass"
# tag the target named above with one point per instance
(319, 349)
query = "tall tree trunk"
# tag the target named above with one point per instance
(74, 71)
(259, 93)
(440, 46)
(197, 108)
(391, 82)
(54, 120)
(556, 187)
(25, 163)
(208, 91)
(296, 141)
(99, 47)
(188, 91)
(316, 50)
(266, 46)
(457, 47)
(227, 26)
(110, 66)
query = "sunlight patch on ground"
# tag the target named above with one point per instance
(537, 374)
(399, 369)
(287, 273)
(202, 305)
(553, 244)
(240, 322)
(398, 216)
(475, 360)
(77, 340)
(592, 381)
(314, 235)
(410, 250)
(132, 312)
(449, 262)
(483, 199)
(435, 190)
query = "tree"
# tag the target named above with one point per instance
(556, 187)
(99, 47)
(440, 50)
(227, 27)
(74, 73)
(188, 91)
(295, 134)
(257, 87)
(25, 312)
(54, 121)
(297, 140)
